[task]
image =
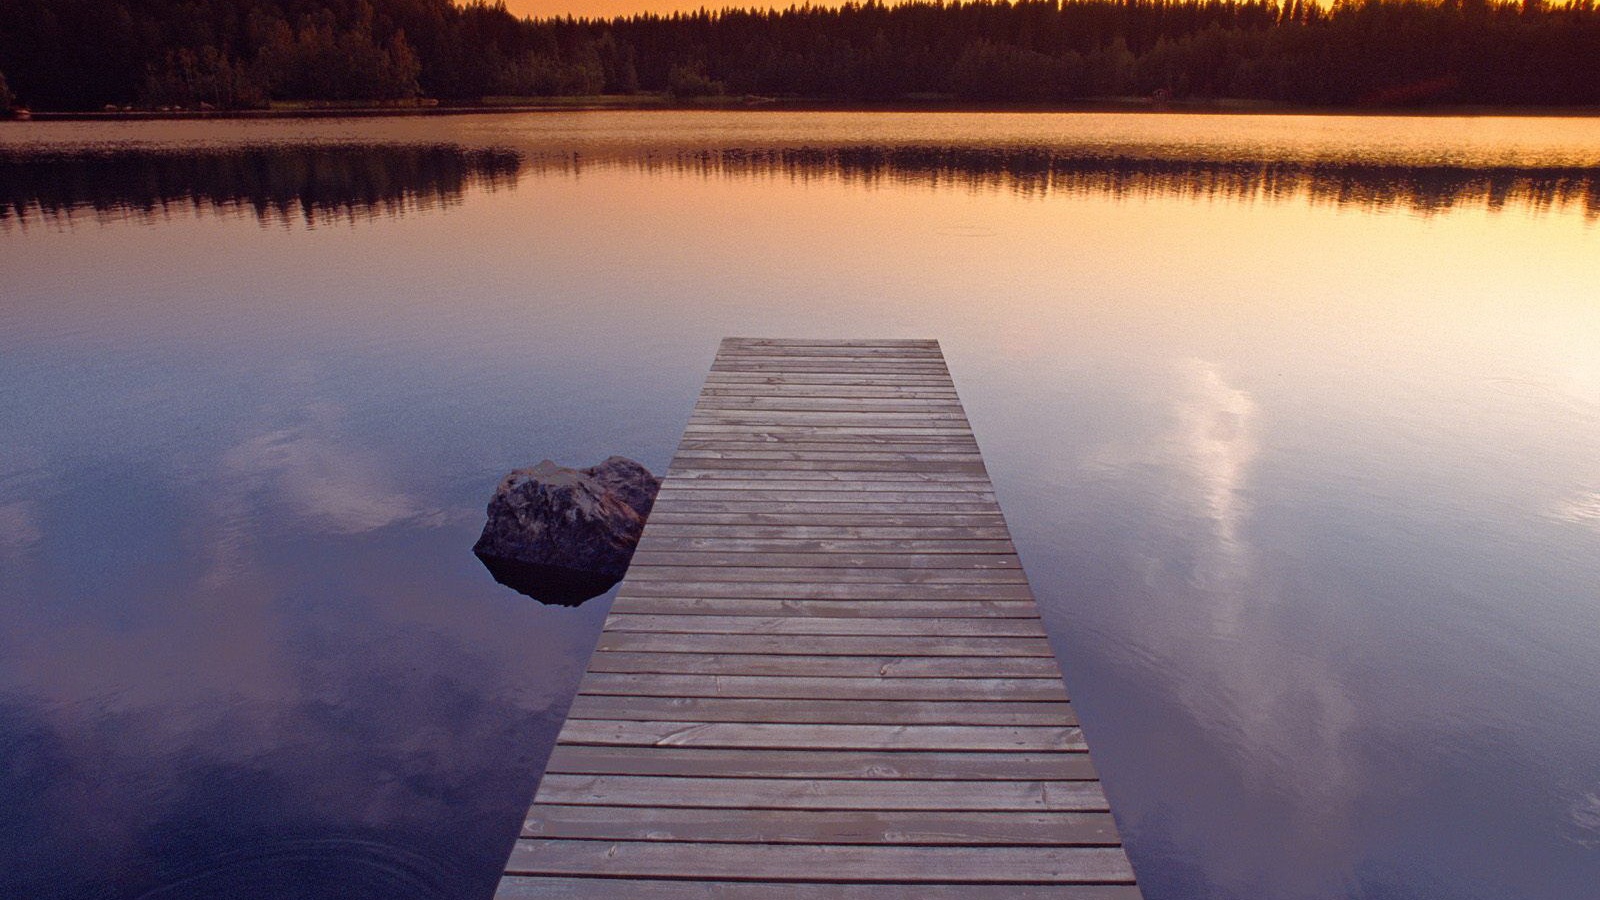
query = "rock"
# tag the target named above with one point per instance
(564, 535)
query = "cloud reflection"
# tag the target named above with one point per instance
(1218, 638)
(306, 473)
(391, 768)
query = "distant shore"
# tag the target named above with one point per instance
(919, 104)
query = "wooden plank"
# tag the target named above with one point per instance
(829, 609)
(924, 765)
(852, 405)
(745, 559)
(824, 675)
(826, 686)
(739, 340)
(797, 377)
(775, 362)
(820, 737)
(919, 421)
(665, 540)
(807, 590)
(856, 467)
(522, 887)
(807, 862)
(644, 662)
(878, 473)
(795, 350)
(831, 711)
(854, 351)
(756, 491)
(822, 793)
(662, 623)
(820, 517)
(879, 574)
(794, 510)
(869, 392)
(823, 645)
(821, 431)
(809, 826)
(825, 446)
(661, 530)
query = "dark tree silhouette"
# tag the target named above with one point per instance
(81, 54)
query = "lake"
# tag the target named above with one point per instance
(1295, 419)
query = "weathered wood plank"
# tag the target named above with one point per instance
(821, 517)
(666, 623)
(808, 351)
(783, 476)
(825, 445)
(831, 391)
(741, 340)
(879, 574)
(661, 530)
(852, 405)
(892, 863)
(830, 711)
(813, 591)
(828, 609)
(823, 644)
(822, 793)
(520, 887)
(821, 737)
(747, 559)
(829, 470)
(828, 492)
(926, 765)
(825, 452)
(662, 540)
(832, 686)
(865, 666)
(821, 431)
(807, 826)
(796, 511)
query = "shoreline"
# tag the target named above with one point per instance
(652, 102)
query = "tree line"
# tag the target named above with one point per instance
(83, 54)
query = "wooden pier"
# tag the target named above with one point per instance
(824, 675)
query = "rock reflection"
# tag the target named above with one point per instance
(307, 183)
(550, 585)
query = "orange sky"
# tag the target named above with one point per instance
(608, 8)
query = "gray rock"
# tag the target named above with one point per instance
(573, 528)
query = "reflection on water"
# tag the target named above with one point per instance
(324, 184)
(1293, 419)
(1046, 171)
(278, 183)
(555, 585)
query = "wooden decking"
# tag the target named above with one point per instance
(824, 675)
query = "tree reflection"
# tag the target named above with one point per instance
(1064, 171)
(316, 184)
(308, 183)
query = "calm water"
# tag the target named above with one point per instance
(1296, 421)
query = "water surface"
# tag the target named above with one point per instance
(1295, 420)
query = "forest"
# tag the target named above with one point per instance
(236, 54)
